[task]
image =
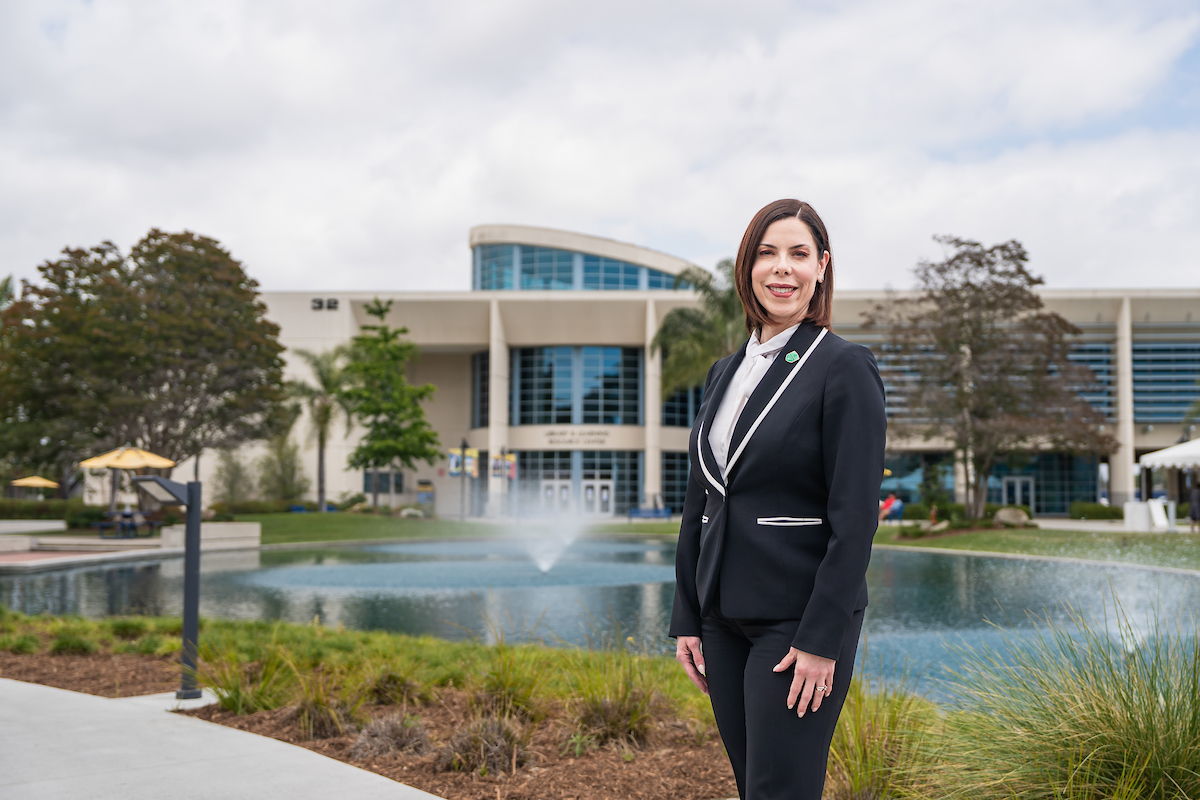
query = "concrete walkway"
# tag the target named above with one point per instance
(60, 745)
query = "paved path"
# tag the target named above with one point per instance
(60, 745)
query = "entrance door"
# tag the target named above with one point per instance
(597, 500)
(1018, 491)
(556, 497)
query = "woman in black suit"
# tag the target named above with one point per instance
(781, 507)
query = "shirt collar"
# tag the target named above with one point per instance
(774, 345)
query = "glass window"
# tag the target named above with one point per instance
(610, 381)
(609, 274)
(1102, 392)
(675, 470)
(543, 268)
(1164, 379)
(544, 380)
(611, 385)
(386, 479)
(680, 408)
(495, 266)
(480, 377)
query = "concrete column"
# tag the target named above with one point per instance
(498, 391)
(652, 483)
(1120, 464)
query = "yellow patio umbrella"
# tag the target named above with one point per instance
(35, 482)
(125, 458)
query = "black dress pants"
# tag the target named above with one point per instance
(776, 755)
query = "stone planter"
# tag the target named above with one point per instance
(217, 536)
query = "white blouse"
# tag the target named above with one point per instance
(750, 372)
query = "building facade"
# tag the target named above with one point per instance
(548, 359)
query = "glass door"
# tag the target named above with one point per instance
(1018, 491)
(597, 498)
(556, 497)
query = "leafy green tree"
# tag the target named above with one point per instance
(7, 293)
(234, 481)
(693, 338)
(384, 402)
(324, 400)
(988, 367)
(167, 348)
(280, 471)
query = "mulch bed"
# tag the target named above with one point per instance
(103, 674)
(675, 764)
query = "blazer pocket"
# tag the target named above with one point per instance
(789, 522)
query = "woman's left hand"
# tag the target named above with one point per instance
(811, 672)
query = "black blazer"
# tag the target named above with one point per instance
(788, 534)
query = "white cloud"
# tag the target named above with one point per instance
(351, 146)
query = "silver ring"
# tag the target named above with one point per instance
(822, 688)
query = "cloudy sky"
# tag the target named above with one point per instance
(351, 145)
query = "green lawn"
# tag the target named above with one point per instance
(306, 528)
(1150, 549)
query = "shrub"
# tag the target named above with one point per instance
(511, 681)
(1077, 712)
(347, 500)
(86, 517)
(616, 697)
(392, 734)
(1181, 511)
(128, 628)
(55, 508)
(322, 709)
(394, 683)
(252, 507)
(1081, 510)
(489, 745)
(69, 643)
(25, 644)
(879, 746)
(246, 688)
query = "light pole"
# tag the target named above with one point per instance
(172, 493)
(462, 491)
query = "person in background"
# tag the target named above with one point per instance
(1194, 502)
(885, 508)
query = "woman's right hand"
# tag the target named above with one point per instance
(689, 652)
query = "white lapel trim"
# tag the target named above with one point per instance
(704, 467)
(778, 393)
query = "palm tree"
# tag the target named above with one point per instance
(323, 400)
(693, 338)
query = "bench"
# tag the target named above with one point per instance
(649, 513)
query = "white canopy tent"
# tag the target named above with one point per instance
(1159, 514)
(1180, 456)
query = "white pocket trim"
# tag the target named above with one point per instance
(789, 522)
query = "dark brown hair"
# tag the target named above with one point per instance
(820, 307)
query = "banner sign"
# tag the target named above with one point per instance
(455, 456)
(472, 462)
(511, 458)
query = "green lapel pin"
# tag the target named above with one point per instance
(791, 357)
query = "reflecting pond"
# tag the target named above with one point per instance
(457, 588)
